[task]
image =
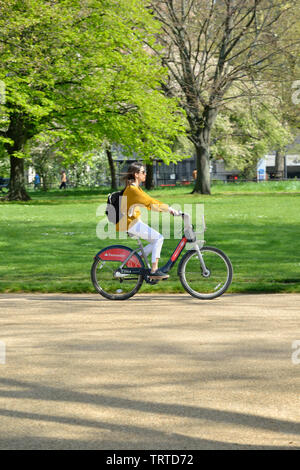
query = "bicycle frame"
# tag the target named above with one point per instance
(189, 236)
(145, 271)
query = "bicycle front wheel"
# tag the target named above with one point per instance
(207, 285)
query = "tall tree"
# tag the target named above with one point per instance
(209, 45)
(287, 76)
(246, 129)
(112, 167)
(78, 70)
(149, 183)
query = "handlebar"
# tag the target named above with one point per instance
(188, 227)
(182, 214)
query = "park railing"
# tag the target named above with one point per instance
(161, 182)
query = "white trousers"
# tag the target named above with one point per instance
(147, 233)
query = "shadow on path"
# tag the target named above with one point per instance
(53, 394)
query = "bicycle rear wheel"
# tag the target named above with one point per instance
(103, 274)
(210, 285)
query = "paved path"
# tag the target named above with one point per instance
(155, 372)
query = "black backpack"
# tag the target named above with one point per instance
(113, 206)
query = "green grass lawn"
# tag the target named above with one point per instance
(48, 243)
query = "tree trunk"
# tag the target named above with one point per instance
(17, 133)
(149, 183)
(202, 183)
(77, 178)
(279, 165)
(250, 172)
(111, 167)
(45, 182)
(201, 141)
(17, 191)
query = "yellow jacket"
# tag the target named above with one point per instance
(135, 197)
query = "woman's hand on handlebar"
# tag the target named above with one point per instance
(174, 211)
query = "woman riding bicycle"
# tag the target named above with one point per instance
(130, 222)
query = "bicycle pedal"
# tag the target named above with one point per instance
(152, 281)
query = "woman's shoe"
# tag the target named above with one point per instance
(158, 275)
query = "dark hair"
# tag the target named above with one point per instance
(129, 176)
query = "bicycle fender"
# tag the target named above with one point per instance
(120, 253)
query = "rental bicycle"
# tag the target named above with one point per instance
(205, 272)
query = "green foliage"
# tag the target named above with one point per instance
(90, 168)
(248, 129)
(77, 70)
(4, 164)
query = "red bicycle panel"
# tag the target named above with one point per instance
(120, 254)
(179, 249)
